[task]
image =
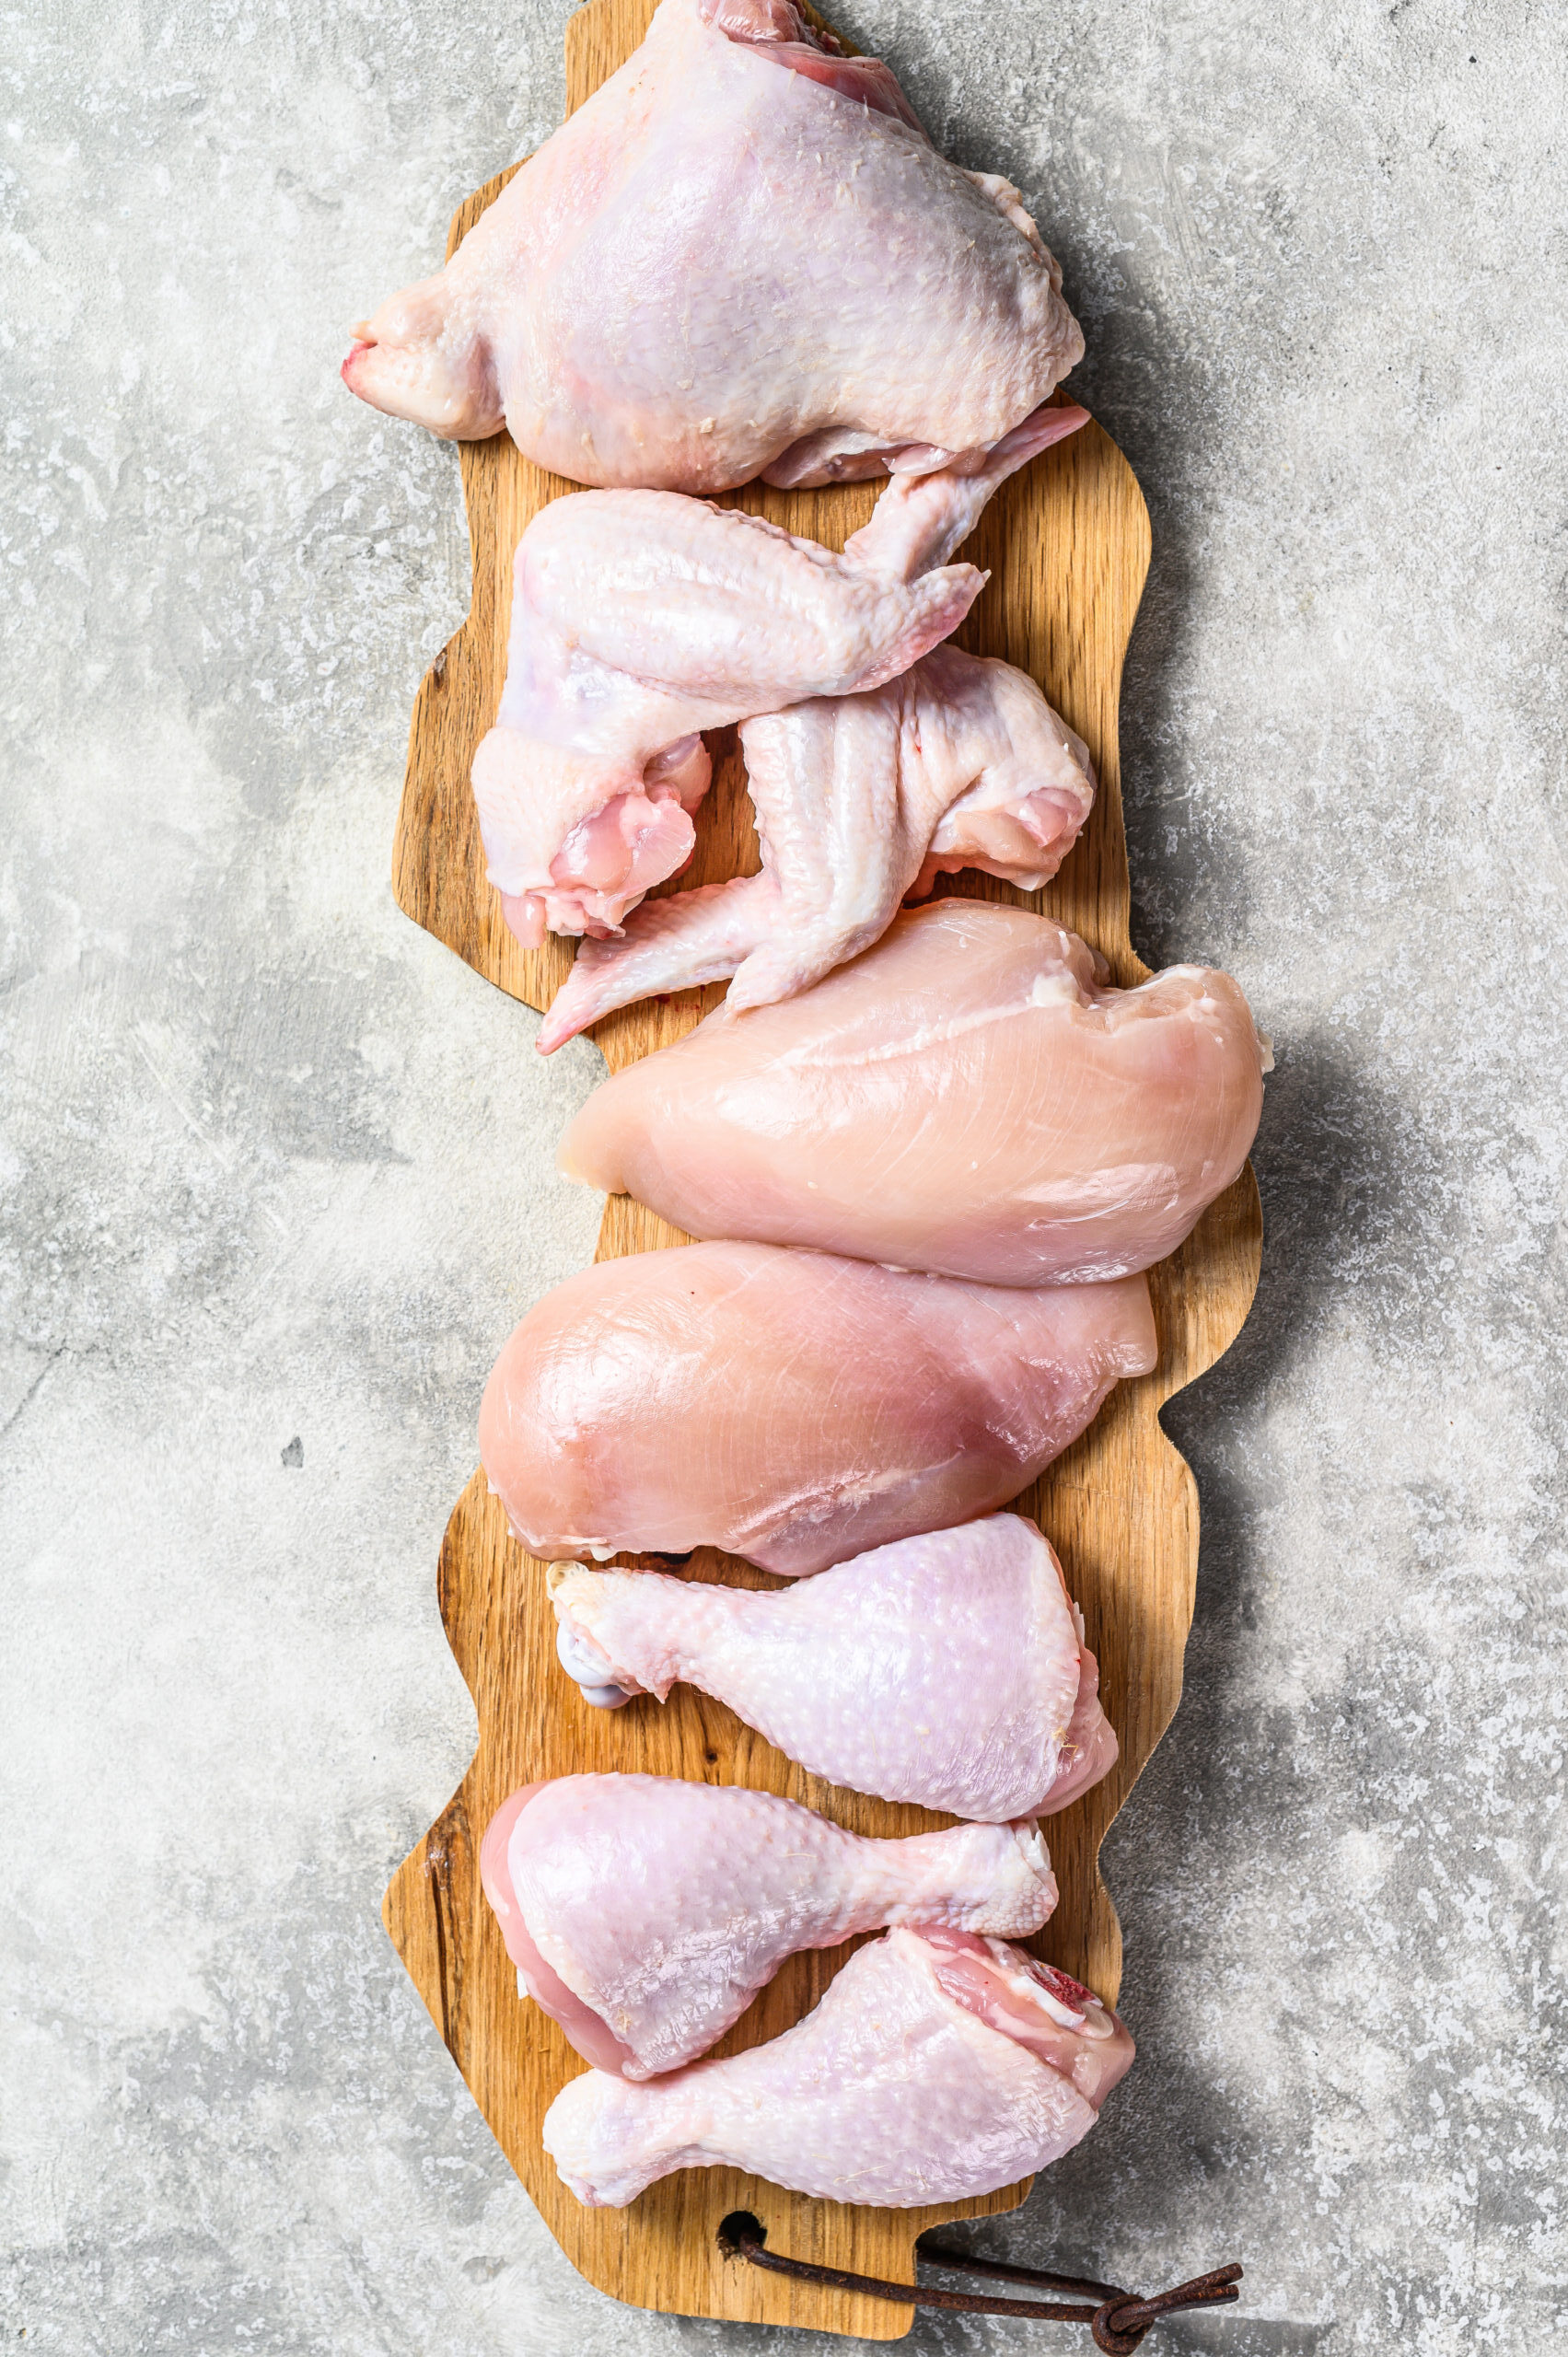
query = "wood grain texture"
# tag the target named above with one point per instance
(1067, 545)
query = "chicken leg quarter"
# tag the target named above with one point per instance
(640, 618)
(645, 1913)
(742, 255)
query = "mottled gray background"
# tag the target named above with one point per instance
(277, 1169)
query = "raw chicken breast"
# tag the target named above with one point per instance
(742, 255)
(949, 1670)
(934, 2069)
(640, 618)
(791, 1407)
(968, 1098)
(645, 1913)
(861, 801)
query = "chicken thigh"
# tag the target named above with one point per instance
(640, 618)
(644, 1913)
(968, 1098)
(949, 1670)
(791, 1407)
(939, 2066)
(742, 255)
(861, 801)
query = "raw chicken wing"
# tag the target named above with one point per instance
(792, 1407)
(640, 618)
(742, 255)
(645, 1913)
(969, 1096)
(936, 2068)
(861, 801)
(949, 1670)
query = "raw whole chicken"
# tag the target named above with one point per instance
(644, 1913)
(861, 801)
(791, 1407)
(969, 1096)
(949, 1670)
(939, 2066)
(741, 256)
(640, 618)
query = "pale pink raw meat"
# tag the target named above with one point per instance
(949, 1670)
(640, 618)
(969, 1096)
(794, 1408)
(645, 1913)
(934, 2069)
(741, 256)
(861, 801)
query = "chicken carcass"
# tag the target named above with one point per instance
(949, 1670)
(640, 618)
(794, 1408)
(644, 1913)
(862, 801)
(741, 256)
(936, 2067)
(969, 1096)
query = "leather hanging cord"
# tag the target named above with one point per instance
(1117, 2319)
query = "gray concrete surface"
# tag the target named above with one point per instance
(276, 1168)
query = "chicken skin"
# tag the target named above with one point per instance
(949, 1670)
(794, 1408)
(743, 256)
(968, 1098)
(640, 618)
(644, 1913)
(938, 2065)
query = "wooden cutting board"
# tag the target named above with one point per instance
(1067, 544)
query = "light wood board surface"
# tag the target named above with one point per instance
(1066, 543)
